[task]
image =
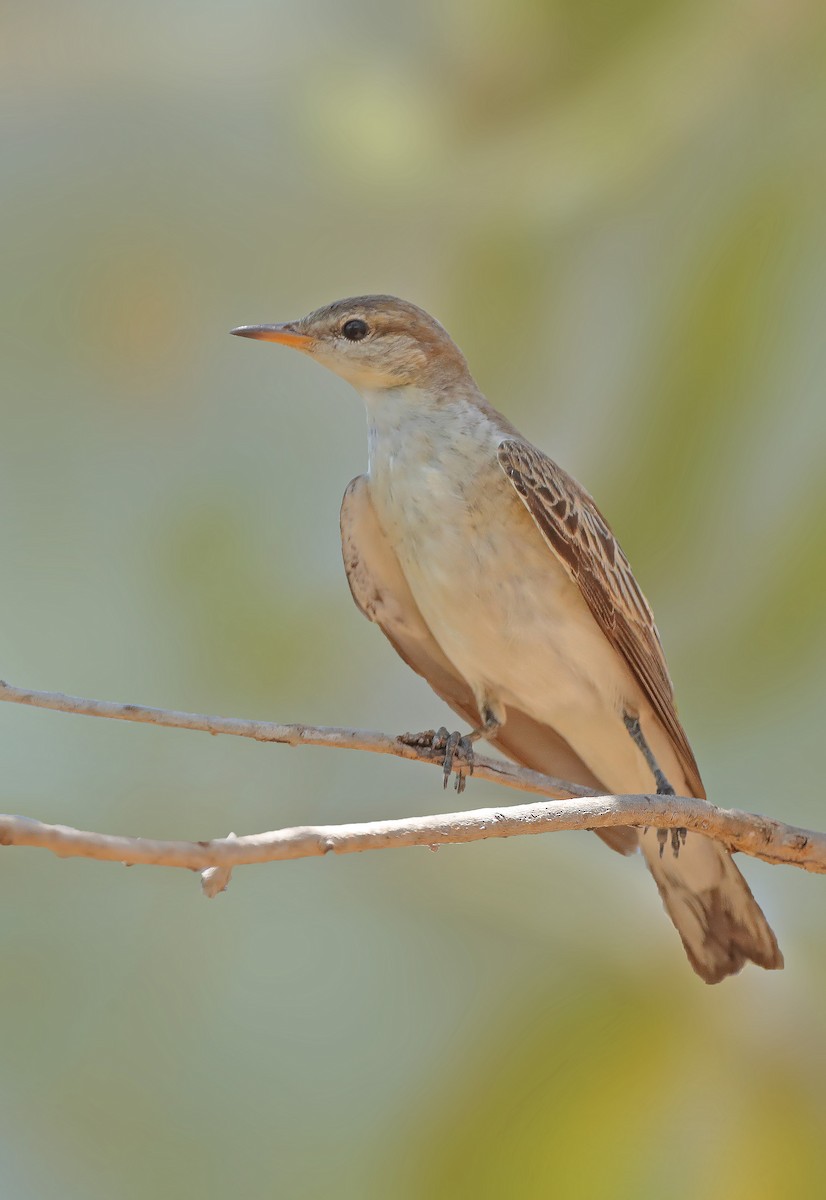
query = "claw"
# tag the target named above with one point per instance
(675, 836)
(469, 755)
(456, 744)
(463, 747)
(452, 745)
(678, 837)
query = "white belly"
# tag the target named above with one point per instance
(505, 612)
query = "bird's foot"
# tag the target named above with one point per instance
(675, 836)
(459, 747)
(455, 746)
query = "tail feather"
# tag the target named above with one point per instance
(719, 921)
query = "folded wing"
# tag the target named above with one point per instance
(581, 538)
(709, 901)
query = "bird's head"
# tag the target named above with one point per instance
(374, 342)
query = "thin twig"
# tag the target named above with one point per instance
(754, 835)
(495, 770)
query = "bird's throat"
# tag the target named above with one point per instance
(415, 431)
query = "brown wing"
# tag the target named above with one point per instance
(579, 535)
(381, 592)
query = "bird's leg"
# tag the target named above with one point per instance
(632, 724)
(455, 744)
(664, 788)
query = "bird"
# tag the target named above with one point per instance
(494, 575)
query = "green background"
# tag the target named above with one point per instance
(619, 211)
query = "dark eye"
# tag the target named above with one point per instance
(355, 330)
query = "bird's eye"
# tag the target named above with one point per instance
(355, 330)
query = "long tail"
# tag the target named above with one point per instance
(709, 901)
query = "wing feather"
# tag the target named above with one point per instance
(581, 538)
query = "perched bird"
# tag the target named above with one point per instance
(495, 576)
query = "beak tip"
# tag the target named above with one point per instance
(285, 335)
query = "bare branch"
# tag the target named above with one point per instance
(754, 835)
(495, 770)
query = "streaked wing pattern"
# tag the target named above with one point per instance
(579, 535)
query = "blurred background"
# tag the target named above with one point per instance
(619, 211)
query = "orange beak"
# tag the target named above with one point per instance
(286, 335)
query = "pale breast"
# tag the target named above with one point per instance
(498, 601)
